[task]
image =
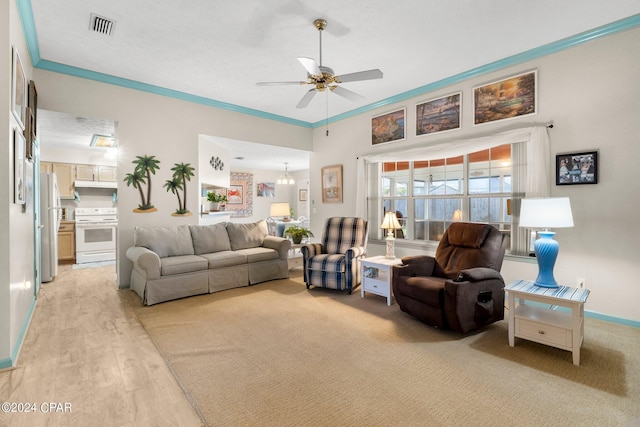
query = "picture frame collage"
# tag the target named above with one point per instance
(24, 107)
(508, 98)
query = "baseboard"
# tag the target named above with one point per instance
(13, 360)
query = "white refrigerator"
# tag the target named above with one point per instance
(50, 212)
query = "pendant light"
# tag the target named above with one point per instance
(287, 179)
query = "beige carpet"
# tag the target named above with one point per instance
(278, 354)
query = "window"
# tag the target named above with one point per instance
(428, 195)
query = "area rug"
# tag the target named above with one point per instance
(279, 354)
(92, 264)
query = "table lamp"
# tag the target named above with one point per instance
(554, 212)
(390, 223)
(280, 209)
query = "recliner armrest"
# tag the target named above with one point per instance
(477, 274)
(418, 265)
(311, 249)
(355, 252)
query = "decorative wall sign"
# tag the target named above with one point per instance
(577, 168)
(438, 114)
(216, 163)
(240, 195)
(388, 127)
(505, 99)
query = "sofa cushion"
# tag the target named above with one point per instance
(182, 264)
(165, 241)
(210, 238)
(249, 235)
(259, 254)
(224, 259)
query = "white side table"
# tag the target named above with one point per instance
(295, 256)
(376, 276)
(544, 325)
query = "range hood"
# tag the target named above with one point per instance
(95, 184)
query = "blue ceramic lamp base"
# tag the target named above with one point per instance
(546, 253)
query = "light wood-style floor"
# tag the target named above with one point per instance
(86, 351)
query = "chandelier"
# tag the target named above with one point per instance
(286, 179)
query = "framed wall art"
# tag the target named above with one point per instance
(302, 195)
(388, 127)
(266, 189)
(438, 115)
(505, 99)
(18, 167)
(18, 90)
(332, 184)
(240, 194)
(577, 168)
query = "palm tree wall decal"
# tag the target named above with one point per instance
(145, 166)
(181, 174)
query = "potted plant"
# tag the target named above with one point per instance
(297, 233)
(216, 199)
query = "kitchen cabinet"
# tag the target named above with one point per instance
(46, 167)
(95, 173)
(67, 242)
(85, 172)
(106, 173)
(65, 173)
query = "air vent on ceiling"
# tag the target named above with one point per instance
(102, 25)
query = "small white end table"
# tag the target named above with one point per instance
(564, 330)
(376, 275)
(295, 256)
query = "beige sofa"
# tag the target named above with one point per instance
(180, 261)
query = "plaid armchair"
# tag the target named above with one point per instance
(334, 263)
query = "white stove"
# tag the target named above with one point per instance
(96, 234)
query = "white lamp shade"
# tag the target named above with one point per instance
(553, 212)
(390, 221)
(279, 209)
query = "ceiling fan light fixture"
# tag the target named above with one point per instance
(322, 77)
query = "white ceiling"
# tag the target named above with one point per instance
(221, 49)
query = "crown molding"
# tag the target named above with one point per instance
(26, 17)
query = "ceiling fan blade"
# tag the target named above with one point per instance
(311, 66)
(360, 75)
(280, 83)
(346, 93)
(306, 99)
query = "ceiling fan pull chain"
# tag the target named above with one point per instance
(327, 133)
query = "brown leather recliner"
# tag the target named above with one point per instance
(461, 288)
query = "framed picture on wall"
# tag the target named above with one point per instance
(388, 127)
(438, 115)
(18, 90)
(302, 195)
(577, 168)
(505, 99)
(18, 167)
(332, 184)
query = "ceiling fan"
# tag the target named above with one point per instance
(323, 78)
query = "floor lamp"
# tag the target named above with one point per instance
(546, 213)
